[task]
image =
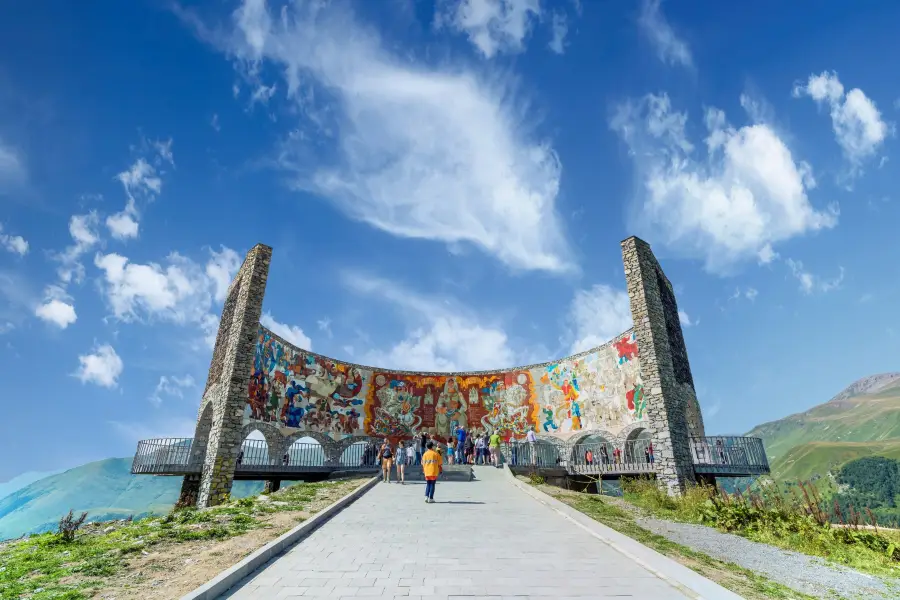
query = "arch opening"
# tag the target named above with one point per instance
(638, 446)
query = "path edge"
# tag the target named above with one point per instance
(684, 579)
(231, 576)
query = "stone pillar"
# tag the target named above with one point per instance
(672, 411)
(272, 485)
(190, 489)
(229, 374)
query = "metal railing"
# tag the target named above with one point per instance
(715, 455)
(722, 455)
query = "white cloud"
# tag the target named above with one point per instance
(671, 49)
(171, 386)
(441, 335)
(58, 312)
(124, 225)
(102, 367)
(684, 319)
(597, 315)
(560, 29)
(13, 243)
(12, 166)
(83, 229)
(858, 127)
(492, 26)
(142, 182)
(181, 292)
(262, 94)
(748, 293)
(747, 194)
(214, 122)
(420, 153)
(221, 269)
(810, 283)
(325, 325)
(291, 333)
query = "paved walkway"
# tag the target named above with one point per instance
(480, 539)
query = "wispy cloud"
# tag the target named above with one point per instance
(859, 128)
(810, 283)
(392, 149)
(670, 48)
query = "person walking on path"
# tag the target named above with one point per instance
(387, 459)
(531, 438)
(423, 439)
(494, 444)
(412, 453)
(479, 451)
(460, 446)
(400, 461)
(431, 467)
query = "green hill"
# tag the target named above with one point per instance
(105, 489)
(863, 420)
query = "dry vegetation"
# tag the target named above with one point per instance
(158, 557)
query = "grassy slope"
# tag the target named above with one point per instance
(828, 435)
(106, 489)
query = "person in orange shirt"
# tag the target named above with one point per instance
(432, 467)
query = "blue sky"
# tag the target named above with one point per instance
(445, 186)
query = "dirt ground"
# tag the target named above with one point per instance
(171, 570)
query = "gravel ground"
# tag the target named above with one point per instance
(797, 571)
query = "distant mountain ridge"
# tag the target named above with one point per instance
(861, 420)
(867, 385)
(106, 489)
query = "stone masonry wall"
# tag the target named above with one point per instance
(664, 368)
(230, 374)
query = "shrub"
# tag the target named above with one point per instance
(69, 525)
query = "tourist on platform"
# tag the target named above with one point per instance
(451, 450)
(604, 454)
(387, 459)
(286, 459)
(431, 467)
(240, 457)
(412, 452)
(461, 445)
(588, 457)
(423, 440)
(617, 455)
(479, 450)
(531, 438)
(400, 461)
(494, 443)
(470, 451)
(649, 452)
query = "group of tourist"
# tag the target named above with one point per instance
(424, 449)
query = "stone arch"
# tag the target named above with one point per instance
(256, 452)
(634, 444)
(358, 451)
(592, 439)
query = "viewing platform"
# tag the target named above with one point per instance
(715, 456)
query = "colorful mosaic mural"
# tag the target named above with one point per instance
(301, 391)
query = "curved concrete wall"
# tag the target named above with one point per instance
(297, 390)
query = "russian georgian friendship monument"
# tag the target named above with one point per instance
(633, 393)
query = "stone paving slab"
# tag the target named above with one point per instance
(480, 539)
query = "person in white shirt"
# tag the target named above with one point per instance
(531, 438)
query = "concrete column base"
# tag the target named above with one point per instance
(190, 490)
(272, 485)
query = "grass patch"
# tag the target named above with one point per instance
(46, 566)
(800, 524)
(741, 581)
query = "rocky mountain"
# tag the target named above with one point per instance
(106, 489)
(862, 420)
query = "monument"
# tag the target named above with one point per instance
(636, 388)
